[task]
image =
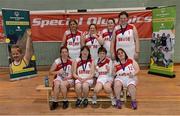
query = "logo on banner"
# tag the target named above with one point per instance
(16, 13)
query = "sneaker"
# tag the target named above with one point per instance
(94, 100)
(113, 101)
(134, 105)
(78, 102)
(85, 102)
(118, 104)
(54, 105)
(65, 104)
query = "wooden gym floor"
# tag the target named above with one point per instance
(155, 95)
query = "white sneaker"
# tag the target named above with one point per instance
(94, 100)
(113, 101)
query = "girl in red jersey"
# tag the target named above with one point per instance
(107, 35)
(125, 36)
(93, 40)
(104, 75)
(72, 39)
(62, 69)
(83, 73)
(125, 71)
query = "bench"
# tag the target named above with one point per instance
(49, 95)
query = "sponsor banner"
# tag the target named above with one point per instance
(163, 40)
(51, 26)
(16, 24)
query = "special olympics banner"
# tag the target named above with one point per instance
(16, 24)
(162, 43)
(51, 27)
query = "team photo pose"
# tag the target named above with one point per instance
(72, 39)
(62, 71)
(83, 73)
(107, 35)
(125, 71)
(125, 36)
(92, 39)
(104, 75)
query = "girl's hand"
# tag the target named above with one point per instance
(28, 32)
(131, 75)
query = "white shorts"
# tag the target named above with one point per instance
(104, 80)
(90, 82)
(70, 81)
(126, 81)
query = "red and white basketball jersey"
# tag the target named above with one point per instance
(107, 36)
(93, 45)
(73, 43)
(103, 69)
(124, 68)
(124, 38)
(67, 66)
(83, 67)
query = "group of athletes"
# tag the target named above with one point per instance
(106, 60)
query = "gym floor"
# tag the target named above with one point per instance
(156, 95)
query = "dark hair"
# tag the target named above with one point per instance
(123, 13)
(91, 25)
(102, 49)
(72, 20)
(87, 48)
(64, 47)
(112, 20)
(19, 49)
(126, 56)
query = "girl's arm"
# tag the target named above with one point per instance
(112, 46)
(29, 50)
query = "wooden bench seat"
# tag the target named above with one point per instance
(49, 95)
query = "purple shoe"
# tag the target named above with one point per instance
(134, 105)
(118, 104)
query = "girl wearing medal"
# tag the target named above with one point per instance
(107, 35)
(104, 75)
(125, 71)
(125, 36)
(62, 70)
(83, 73)
(92, 39)
(72, 39)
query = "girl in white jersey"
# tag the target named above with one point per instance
(62, 70)
(107, 35)
(104, 75)
(125, 36)
(92, 39)
(72, 39)
(125, 70)
(83, 73)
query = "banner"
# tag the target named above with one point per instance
(1, 30)
(51, 26)
(162, 43)
(16, 24)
